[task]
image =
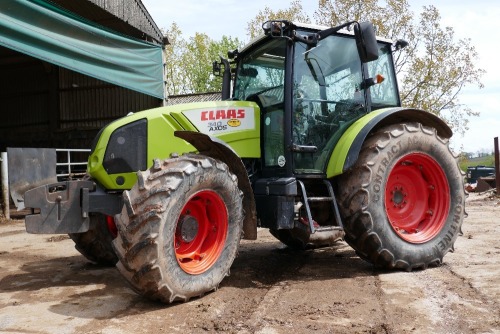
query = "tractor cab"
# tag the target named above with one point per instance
(311, 84)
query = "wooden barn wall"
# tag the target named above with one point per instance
(87, 104)
(25, 98)
(43, 105)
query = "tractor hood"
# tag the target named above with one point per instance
(130, 144)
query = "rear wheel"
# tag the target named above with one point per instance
(95, 244)
(403, 201)
(179, 231)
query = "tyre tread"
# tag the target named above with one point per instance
(140, 224)
(354, 197)
(96, 243)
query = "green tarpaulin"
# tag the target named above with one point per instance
(45, 31)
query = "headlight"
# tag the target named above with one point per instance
(127, 149)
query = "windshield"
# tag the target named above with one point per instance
(327, 97)
(260, 78)
(262, 70)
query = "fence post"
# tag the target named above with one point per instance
(5, 184)
(497, 166)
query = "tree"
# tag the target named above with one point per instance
(188, 67)
(173, 55)
(436, 76)
(196, 63)
(432, 70)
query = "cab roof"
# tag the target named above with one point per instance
(307, 26)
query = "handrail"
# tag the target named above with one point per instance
(68, 171)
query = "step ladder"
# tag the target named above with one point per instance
(330, 198)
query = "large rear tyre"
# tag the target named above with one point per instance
(180, 228)
(403, 201)
(95, 244)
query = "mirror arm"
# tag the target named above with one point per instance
(327, 32)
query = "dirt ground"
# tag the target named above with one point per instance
(47, 287)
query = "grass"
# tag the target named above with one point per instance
(482, 161)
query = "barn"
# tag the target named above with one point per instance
(68, 67)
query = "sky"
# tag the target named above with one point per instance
(478, 20)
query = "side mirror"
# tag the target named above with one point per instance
(225, 74)
(366, 41)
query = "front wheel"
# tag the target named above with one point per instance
(96, 243)
(179, 231)
(403, 201)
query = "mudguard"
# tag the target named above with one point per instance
(347, 150)
(216, 148)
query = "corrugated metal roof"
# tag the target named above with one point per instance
(188, 98)
(129, 17)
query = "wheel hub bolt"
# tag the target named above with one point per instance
(397, 196)
(187, 228)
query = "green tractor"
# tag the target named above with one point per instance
(309, 140)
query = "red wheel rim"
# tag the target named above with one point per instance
(110, 222)
(417, 198)
(201, 232)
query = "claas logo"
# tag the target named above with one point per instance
(214, 115)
